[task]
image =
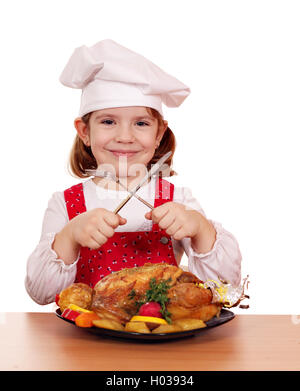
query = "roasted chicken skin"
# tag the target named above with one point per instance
(112, 294)
(187, 300)
(77, 293)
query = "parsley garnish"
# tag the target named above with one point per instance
(158, 292)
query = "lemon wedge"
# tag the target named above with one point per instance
(150, 319)
(75, 307)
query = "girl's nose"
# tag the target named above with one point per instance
(125, 134)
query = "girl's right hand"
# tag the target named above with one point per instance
(93, 228)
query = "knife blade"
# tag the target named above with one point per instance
(149, 174)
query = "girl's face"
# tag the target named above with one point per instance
(122, 137)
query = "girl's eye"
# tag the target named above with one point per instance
(107, 122)
(110, 122)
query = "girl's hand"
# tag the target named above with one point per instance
(180, 222)
(93, 228)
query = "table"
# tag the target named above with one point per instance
(43, 342)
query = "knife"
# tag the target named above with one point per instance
(149, 174)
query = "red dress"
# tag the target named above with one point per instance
(123, 249)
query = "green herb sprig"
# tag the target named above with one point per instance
(158, 292)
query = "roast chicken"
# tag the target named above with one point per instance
(112, 299)
(78, 293)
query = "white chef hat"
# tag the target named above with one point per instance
(111, 75)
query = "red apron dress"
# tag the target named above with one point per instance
(123, 249)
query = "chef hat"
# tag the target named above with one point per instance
(111, 75)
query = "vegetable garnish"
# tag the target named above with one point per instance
(79, 309)
(57, 299)
(86, 319)
(150, 319)
(157, 292)
(152, 308)
(70, 314)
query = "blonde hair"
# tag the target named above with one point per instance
(82, 159)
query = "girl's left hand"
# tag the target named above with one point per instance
(180, 222)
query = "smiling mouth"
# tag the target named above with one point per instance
(123, 153)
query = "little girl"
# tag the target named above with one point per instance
(121, 129)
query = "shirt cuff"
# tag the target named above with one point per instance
(50, 238)
(193, 253)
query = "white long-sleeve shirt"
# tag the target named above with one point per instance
(48, 275)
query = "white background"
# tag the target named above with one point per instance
(237, 132)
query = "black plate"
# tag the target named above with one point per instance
(224, 317)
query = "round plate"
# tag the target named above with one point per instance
(224, 317)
